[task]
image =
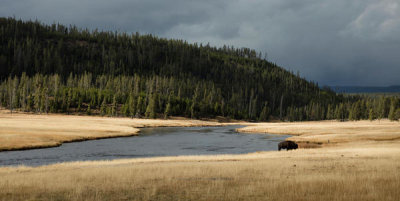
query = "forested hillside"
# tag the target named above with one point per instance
(360, 90)
(54, 68)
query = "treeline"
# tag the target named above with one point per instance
(160, 97)
(133, 96)
(354, 108)
(54, 68)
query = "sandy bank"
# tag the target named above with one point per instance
(27, 131)
(327, 133)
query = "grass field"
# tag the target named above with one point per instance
(369, 171)
(363, 165)
(325, 133)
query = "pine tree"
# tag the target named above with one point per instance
(132, 105)
(194, 106)
(139, 107)
(103, 107)
(151, 107)
(329, 112)
(45, 98)
(358, 110)
(264, 115)
(167, 108)
(193, 109)
(69, 100)
(371, 115)
(79, 104)
(125, 110)
(393, 106)
(341, 112)
(12, 91)
(114, 106)
(337, 113)
(381, 108)
(281, 107)
(37, 99)
(397, 114)
(354, 111)
(88, 110)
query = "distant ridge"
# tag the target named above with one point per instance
(366, 89)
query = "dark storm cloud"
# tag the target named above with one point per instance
(335, 42)
(150, 16)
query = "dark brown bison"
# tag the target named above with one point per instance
(287, 145)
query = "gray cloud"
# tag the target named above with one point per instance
(333, 42)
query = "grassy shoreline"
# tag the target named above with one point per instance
(330, 133)
(22, 131)
(367, 172)
(361, 162)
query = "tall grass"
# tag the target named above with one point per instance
(333, 174)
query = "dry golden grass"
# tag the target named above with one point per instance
(369, 172)
(24, 131)
(326, 132)
(363, 165)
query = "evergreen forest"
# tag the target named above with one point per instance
(64, 69)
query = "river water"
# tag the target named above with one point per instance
(151, 142)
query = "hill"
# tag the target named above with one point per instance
(365, 89)
(60, 69)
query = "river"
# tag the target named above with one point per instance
(151, 142)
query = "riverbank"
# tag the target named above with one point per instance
(368, 171)
(329, 133)
(356, 161)
(20, 131)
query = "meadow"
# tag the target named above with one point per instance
(369, 171)
(363, 166)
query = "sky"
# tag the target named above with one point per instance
(332, 42)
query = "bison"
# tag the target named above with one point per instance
(287, 145)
